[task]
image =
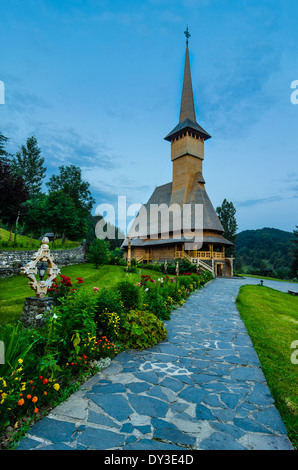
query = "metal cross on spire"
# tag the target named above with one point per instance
(187, 35)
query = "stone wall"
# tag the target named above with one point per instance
(12, 261)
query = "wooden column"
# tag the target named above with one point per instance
(128, 254)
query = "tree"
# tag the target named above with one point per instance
(3, 153)
(13, 195)
(70, 182)
(63, 216)
(36, 214)
(29, 164)
(294, 267)
(99, 252)
(226, 214)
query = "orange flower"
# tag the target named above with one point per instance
(35, 410)
(45, 393)
(34, 399)
(21, 402)
(28, 396)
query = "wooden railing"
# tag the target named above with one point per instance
(199, 254)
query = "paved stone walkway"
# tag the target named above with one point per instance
(202, 388)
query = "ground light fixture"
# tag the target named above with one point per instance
(42, 270)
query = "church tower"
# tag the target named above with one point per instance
(187, 140)
(186, 188)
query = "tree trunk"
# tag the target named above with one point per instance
(10, 235)
(16, 230)
(63, 238)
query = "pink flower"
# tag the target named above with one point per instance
(95, 288)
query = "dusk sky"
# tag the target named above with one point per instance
(98, 83)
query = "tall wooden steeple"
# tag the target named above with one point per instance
(187, 139)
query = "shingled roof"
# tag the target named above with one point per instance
(187, 117)
(163, 195)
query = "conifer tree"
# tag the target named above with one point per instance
(3, 153)
(29, 164)
(227, 216)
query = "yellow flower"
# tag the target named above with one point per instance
(20, 361)
(56, 387)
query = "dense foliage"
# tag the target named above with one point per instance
(267, 251)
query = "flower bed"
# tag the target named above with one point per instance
(85, 329)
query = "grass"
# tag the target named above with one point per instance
(267, 278)
(271, 318)
(13, 290)
(23, 243)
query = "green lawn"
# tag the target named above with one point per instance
(271, 318)
(267, 278)
(23, 243)
(13, 290)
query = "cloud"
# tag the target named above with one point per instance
(264, 200)
(68, 147)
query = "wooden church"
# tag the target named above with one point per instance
(147, 241)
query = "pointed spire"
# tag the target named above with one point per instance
(187, 108)
(187, 118)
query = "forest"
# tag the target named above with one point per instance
(267, 251)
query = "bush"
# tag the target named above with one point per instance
(63, 287)
(99, 253)
(75, 320)
(156, 303)
(110, 300)
(141, 330)
(130, 294)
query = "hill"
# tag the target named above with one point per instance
(24, 243)
(266, 251)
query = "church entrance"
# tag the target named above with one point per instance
(219, 270)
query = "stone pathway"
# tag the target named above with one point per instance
(201, 388)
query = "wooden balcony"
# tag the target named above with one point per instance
(203, 255)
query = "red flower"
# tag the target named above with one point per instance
(80, 280)
(45, 381)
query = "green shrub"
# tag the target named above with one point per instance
(109, 312)
(75, 321)
(157, 304)
(141, 330)
(99, 253)
(110, 300)
(130, 294)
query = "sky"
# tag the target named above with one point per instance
(98, 83)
